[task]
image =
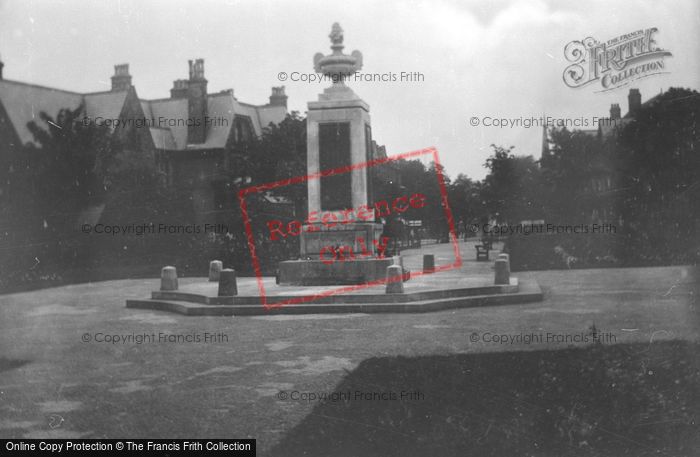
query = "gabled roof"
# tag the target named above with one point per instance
(162, 139)
(105, 105)
(250, 111)
(146, 108)
(173, 111)
(220, 109)
(24, 102)
(271, 114)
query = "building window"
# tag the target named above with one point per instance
(242, 129)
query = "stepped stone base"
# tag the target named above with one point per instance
(346, 272)
(198, 304)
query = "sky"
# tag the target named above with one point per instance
(479, 59)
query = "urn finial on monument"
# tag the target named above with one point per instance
(336, 37)
(337, 66)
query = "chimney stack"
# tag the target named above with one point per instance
(615, 111)
(635, 100)
(121, 79)
(278, 97)
(196, 103)
(197, 69)
(179, 89)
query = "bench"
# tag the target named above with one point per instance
(482, 252)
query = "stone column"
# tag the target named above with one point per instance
(507, 258)
(215, 267)
(394, 276)
(227, 283)
(168, 278)
(428, 263)
(502, 276)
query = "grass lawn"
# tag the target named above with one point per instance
(627, 397)
(637, 400)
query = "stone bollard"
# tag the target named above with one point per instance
(168, 278)
(215, 267)
(502, 272)
(227, 283)
(428, 263)
(394, 276)
(507, 257)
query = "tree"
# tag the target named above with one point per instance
(511, 189)
(279, 154)
(404, 178)
(63, 164)
(575, 158)
(465, 201)
(658, 156)
(52, 180)
(659, 166)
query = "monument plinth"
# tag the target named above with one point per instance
(339, 135)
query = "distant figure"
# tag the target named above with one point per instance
(461, 229)
(392, 230)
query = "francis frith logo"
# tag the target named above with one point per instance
(616, 62)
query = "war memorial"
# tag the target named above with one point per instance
(343, 264)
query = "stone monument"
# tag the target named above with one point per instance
(339, 135)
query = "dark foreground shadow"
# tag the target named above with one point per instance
(602, 400)
(9, 364)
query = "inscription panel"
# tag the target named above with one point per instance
(334, 152)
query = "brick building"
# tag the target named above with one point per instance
(598, 199)
(186, 134)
